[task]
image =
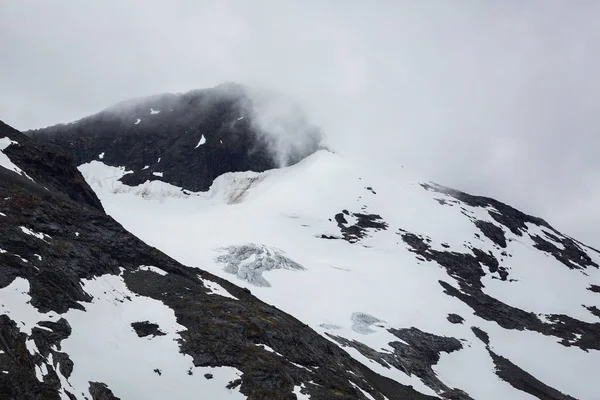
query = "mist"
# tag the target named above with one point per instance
(498, 99)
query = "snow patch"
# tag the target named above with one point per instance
(125, 362)
(153, 112)
(299, 394)
(150, 268)
(5, 161)
(137, 121)
(264, 346)
(158, 174)
(16, 303)
(41, 236)
(101, 155)
(201, 142)
(217, 289)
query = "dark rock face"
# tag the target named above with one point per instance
(359, 229)
(80, 241)
(195, 137)
(516, 376)
(455, 319)
(594, 288)
(146, 328)
(49, 164)
(417, 357)
(572, 255)
(20, 381)
(524, 381)
(100, 391)
(492, 232)
(467, 270)
(481, 335)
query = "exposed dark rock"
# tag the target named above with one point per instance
(64, 362)
(208, 376)
(464, 267)
(572, 255)
(146, 328)
(169, 141)
(49, 164)
(100, 391)
(359, 230)
(416, 357)
(594, 288)
(481, 335)
(467, 270)
(492, 232)
(522, 380)
(594, 310)
(455, 318)
(508, 317)
(20, 381)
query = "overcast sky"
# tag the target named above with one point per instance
(500, 98)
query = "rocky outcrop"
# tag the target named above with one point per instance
(187, 139)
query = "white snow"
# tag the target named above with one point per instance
(240, 118)
(31, 347)
(101, 155)
(217, 289)
(41, 236)
(5, 161)
(264, 346)
(2, 214)
(15, 302)
(201, 142)
(2, 251)
(158, 160)
(152, 111)
(145, 167)
(38, 257)
(137, 121)
(300, 395)
(126, 362)
(76, 234)
(157, 174)
(290, 208)
(367, 395)
(152, 269)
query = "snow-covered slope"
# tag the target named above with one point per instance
(89, 311)
(456, 295)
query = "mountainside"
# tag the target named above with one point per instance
(190, 139)
(400, 282)
(88, 311)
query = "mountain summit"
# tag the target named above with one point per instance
(190, 139)
(273, 268)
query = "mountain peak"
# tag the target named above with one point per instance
(189, 139)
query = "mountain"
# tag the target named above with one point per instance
(190, 139)
(457, 295)
(89, 311)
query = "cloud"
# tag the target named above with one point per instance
(493, 98)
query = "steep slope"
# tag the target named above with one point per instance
(190, 139)
(89, 311)
(458, 295)
(429, 286)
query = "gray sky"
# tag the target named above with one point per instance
(496, 98)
